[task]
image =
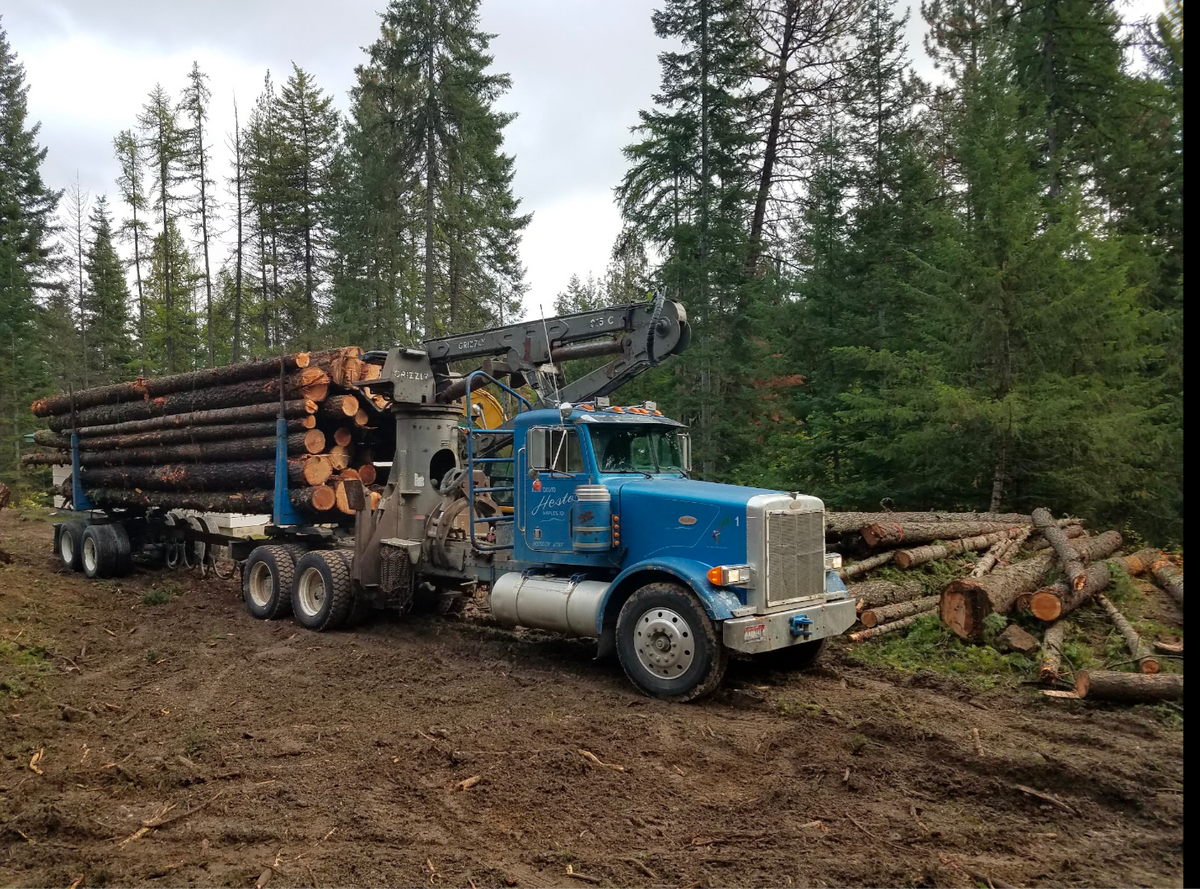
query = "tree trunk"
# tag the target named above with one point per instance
(1067, 557)
(340, 408)
(239, 247)
(1052, 654)
(877, 593)
(298, 444)
(1000, 553)
(141, 389)
(1070, 531)
(1136, 688)
(893, 533)
(909, 558)
(302, 471)
(873, 617)
(967, 602)
(182, 435)
(1147, 663)
(299, 407)
(858, 568)
(1052, 602)
(310, 383)
(839, 522)
(1169, 578)
(884, 629)
(311, 501)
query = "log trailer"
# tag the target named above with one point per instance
(577, 515)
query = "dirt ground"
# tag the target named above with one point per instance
(338, 759)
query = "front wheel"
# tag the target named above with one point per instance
(667, 645)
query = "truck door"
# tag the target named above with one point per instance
(556, 461)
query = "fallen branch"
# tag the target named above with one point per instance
(1147, 663)
(1047, 797)
(595, 760)
(884, 629)
(1001, 553)
(887, 613)
(1052, 651)
(848, 571)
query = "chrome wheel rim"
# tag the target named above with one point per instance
(665, 643)
(66, 547)
(311, 588)
(89, 554)
(259, 584)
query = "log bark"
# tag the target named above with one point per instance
(1001, 553)
(298, 444)
(1169, 578)
(1071, 531)
(840, 522)
(311, 384)
(1140, 562)
(877, 593)
(343, 365)
(1052, 602)
(896, 533)
(859, 568)
(1136, 688)
(182, 435)
(340, 408)
(884, 629)
(967, 602)
(1052, 643)
(302, 471)
(306, 500)
(1147, 663)
(142, 389)
(1067, 557)
(887, 613)
(299, 407)
(909, 558)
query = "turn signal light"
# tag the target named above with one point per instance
(729, 575)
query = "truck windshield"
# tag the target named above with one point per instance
(636, 449)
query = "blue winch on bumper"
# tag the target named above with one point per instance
(767, 632)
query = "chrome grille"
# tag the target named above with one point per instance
(795, 555)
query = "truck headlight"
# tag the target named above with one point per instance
(729, 575)
(833, 561)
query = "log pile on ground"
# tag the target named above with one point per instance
(1033, 568)
(207, 440)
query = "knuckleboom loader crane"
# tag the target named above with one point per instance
(607, 536)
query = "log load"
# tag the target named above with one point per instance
(1147, 663)
(1052, 654)
(182, 435)
(884, 629)
(1001, 552)
(143, 389)
(302, 471)
(311, 501)
(1067, 557)
(909, 558)
(887, 613)
(298, 444)
(896, 533)
(298, 407)
(877, 593)
(1136, 688)
(966, 602)
(858, 568)
(311, 384)
(841, 522)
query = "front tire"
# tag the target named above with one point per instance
(667, 645)
(322, 595)
(267, 582)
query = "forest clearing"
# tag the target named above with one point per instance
(154, 733)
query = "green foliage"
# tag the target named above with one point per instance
(21, 667)
(161, 595)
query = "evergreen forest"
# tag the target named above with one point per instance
(961, 291)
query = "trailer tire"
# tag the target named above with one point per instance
(322, 594)
(70, 544)
(122, 549)
(795, 657)
(667, 644)
(101, 551)
(267, 582)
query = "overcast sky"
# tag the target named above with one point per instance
(581, 69)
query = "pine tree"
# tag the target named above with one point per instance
(75, 213)
(27, 260)
(174, 334)
(105, 307)
(131, 186)
(195, 163)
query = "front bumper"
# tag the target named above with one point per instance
(768, 632)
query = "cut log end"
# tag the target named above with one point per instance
(314, 441)
(324, 499)
(361, 418)
(1046, 605)
(317, 470)
(367, 473)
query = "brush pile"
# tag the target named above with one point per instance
(206, 439)
(1033, 569)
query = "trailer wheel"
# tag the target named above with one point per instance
(70, 544)
(321, 592)
(105, 550)
(267, 582)
(795, 657)
(667, 645)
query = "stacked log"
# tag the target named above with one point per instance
(207, 439)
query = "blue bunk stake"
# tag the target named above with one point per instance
(79, 499)
(285, 513)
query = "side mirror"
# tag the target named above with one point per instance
(685, 450)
